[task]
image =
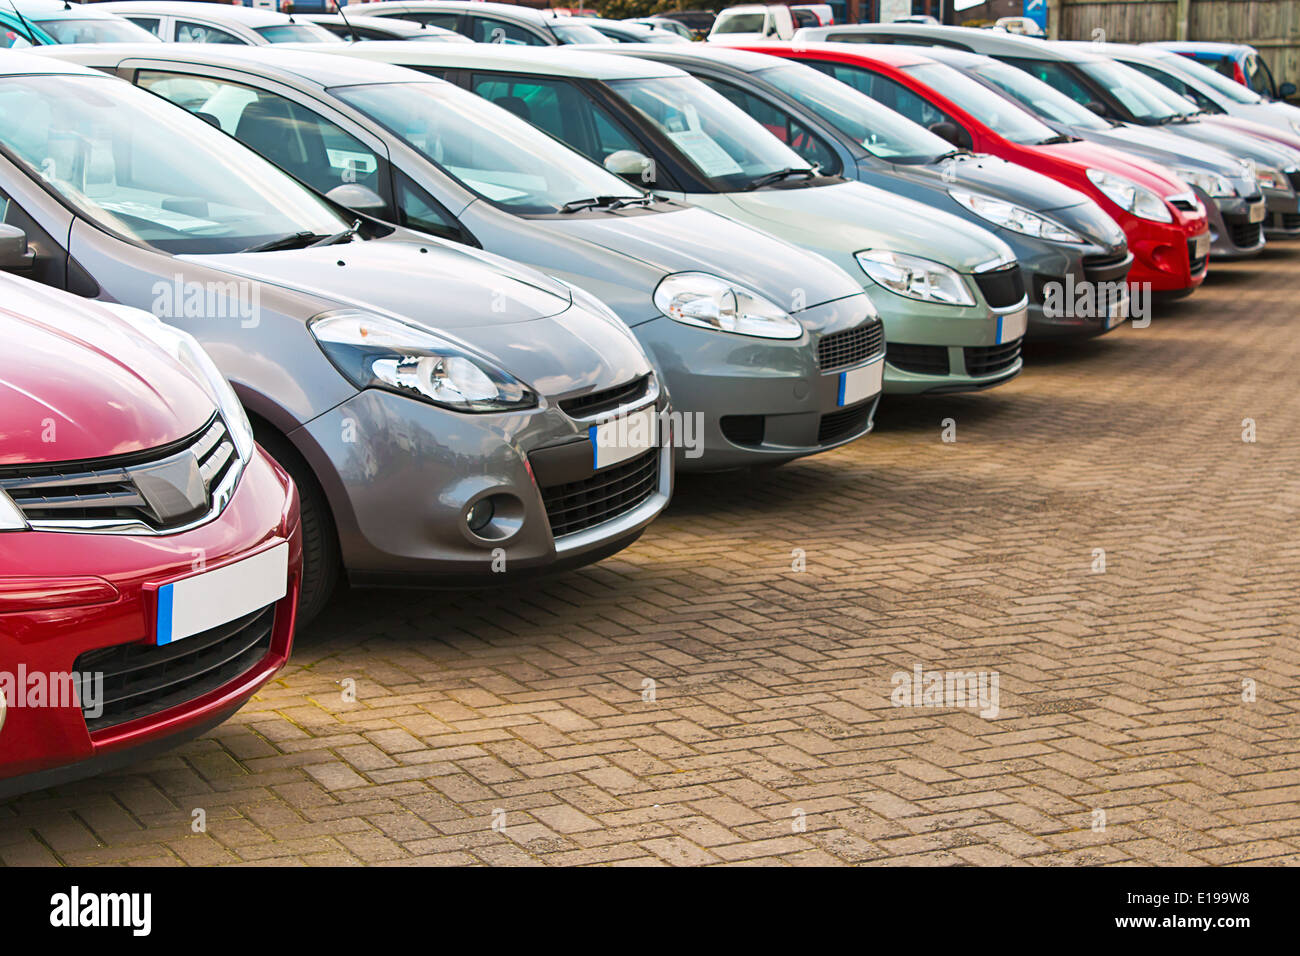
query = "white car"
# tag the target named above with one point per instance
(753, 21)
(186, 21)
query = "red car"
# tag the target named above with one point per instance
(149, 551)
(1164, 223)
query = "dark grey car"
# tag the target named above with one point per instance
(445, 412)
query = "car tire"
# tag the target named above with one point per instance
(321, 562)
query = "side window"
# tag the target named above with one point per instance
(888, 92)
(10, 38)
(1177, 85)
(780, 124)
(1054, 75)
(558, 108)
(448, 21)
(298, 140)
(188, 32)
(152, 24)
(417, 210)
(489, 30)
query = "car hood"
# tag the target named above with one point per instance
(1282, 145)
(1159, 145)
(1145, 173)
(442, 284)
(997, 177)
(688, 239)
(80, 383)
(851, 217)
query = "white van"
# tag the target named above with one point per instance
(753, 21)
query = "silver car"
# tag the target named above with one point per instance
(448, 415)
(769, 352)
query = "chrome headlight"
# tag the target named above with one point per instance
(711, 302)
(373, 351)
(914, 277)
(1131, 197)
(1212, 184)
(1016, 218)
(186, 349)
(1271, 178)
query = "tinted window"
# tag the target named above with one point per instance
(489, 30)
(561, 109)
(888, 92)
(187, 32)
(416, 209)
(149, 24)
(780, 124)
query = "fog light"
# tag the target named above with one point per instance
(480, 514)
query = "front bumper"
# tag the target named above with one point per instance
(1237, 225)
(401, 476)
(1167, 257)
(751, 401)
(1065, 283)
(1282, 220)
(45, 744)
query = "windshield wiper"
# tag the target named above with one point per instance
(594, 202)
(1053, 140)
(343, 236)
(294, 240)
(779, 175)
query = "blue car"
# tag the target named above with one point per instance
(1238, 62)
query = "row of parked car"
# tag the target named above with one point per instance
(449, 313)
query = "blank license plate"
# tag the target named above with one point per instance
(196, 604)
(859, 384)
(1012, 326)
(622, 438)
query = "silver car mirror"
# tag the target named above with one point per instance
(15, 256)
(358, 197)
(627, 163)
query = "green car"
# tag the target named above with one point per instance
(950, 293)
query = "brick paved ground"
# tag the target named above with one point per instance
(1120, 691)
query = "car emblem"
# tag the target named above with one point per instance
(173, 488)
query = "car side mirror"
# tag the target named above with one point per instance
(1286, 90)
(1096, 107)
(357, 197)
(628, 163)
(947, 130)
(15, 255)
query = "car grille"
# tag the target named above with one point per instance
(578, 505)
(921, 359)
(991, 359)
(1244, 234)
(115, 492)
(145, 679)
(1286, 220)
(1002, 288)
(1112, 268)
(851, 346)
(744, 429)
(1197, 265)
(607, 400)
(843, 423)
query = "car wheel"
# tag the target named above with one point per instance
(320, 543)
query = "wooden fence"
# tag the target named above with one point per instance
(1271, 26)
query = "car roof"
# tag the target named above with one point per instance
(319, 68)
(1133, 50)
(894, 54)
(742, 60)
(248, 16)
(1206, 46)
(465, 6)
(56, 10)
(575, 63)
(32, 62)
(993, 41)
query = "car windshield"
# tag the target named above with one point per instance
(996, 112)
(1133, 90)
(882, 132)
(727, 147)
(1043, 100)
(1215, 80)
(95, 31)
(487, 149)
(578, 33)
(133, 164)
(294, 33)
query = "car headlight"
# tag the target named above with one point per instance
(1016, 218)
(914, 277)
(186, 349)
(373, 351)
(711, 302)
(1131, 197)
(1212, 184)
(1271, 178)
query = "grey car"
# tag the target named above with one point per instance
(769, 352)
(491, 22)
(192, 21)
(448, 415)
(1226, 187)
(1055, 231)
